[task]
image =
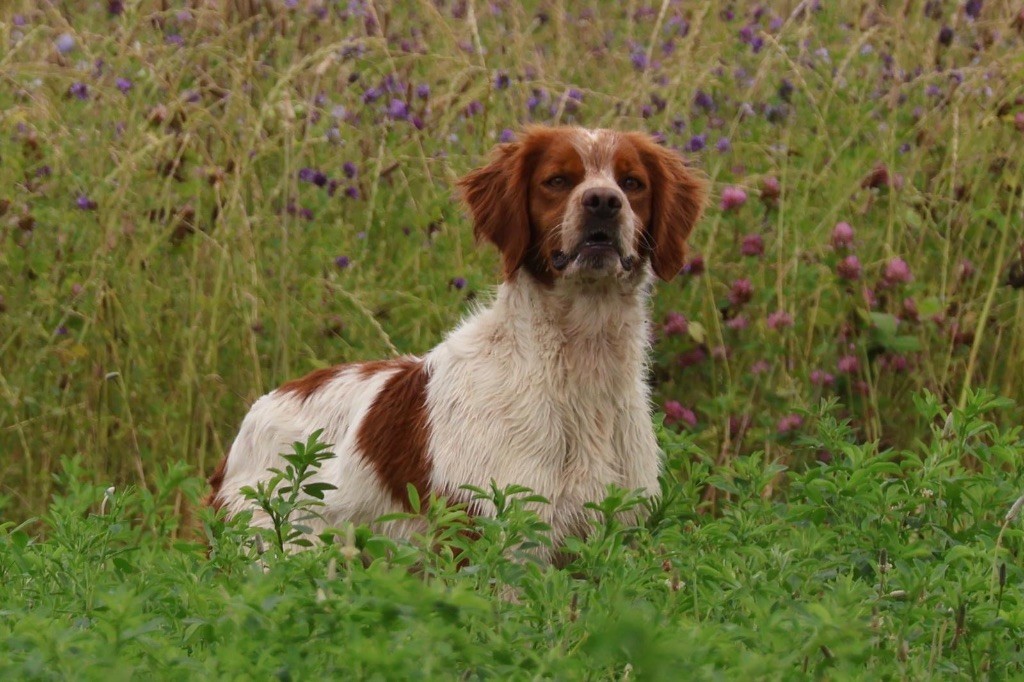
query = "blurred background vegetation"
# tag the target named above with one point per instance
(200, 200)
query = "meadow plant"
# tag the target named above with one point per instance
(201, 200)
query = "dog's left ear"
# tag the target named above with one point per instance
(679, 197)
(497, 199)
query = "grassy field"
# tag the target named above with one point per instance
(200, 200)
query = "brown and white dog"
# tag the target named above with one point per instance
(545, 388)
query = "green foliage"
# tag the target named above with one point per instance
(289, 499)
(902, 563)
(201, 200)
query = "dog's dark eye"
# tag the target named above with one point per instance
(557, 182)
(631, 184)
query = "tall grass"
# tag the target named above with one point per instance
(200, 201)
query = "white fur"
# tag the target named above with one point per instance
(546, 389)
(280, 418)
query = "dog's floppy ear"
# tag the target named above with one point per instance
(679, 197)
(496, 195)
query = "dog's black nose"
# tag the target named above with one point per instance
(602, 202)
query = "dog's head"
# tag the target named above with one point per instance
(572, 203)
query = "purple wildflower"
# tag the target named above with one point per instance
(972, 8)
(692, 357)
(894, 363)
(703, 100)
(349, 169)
(123, 84)
(675, 413)
(473, 108)
(848, 364)
(352, 192)
(79, 90)
(733, 198)
(458, 282)
(752, 245)
(741, 292)
(398, 110)
(897, 272)
(910, 311)
(639, 59)
(738, 323)
(791, 422)
(945, 36)
(697, 142)
(723, 144)
(65, 43)
(85, 203)
(343, 262)
(849, 268)
(311, 175)
(770, 190)
(869, 297)
(423, 91)
(779, 320)
(675, 325)
(842, 236)
(786, 90)
(506, 135)
(501, 80)
(822, 378)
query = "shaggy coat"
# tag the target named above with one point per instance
(545, 388)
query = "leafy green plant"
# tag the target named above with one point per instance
(289, 498)
(201, 200)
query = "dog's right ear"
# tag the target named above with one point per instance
(497, 199)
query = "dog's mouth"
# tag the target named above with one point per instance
(598, 250)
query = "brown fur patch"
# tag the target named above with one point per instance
(306, 386)
(216, 480)
(370, 367)
(392, 437)
(677, 204)
(498, 197)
